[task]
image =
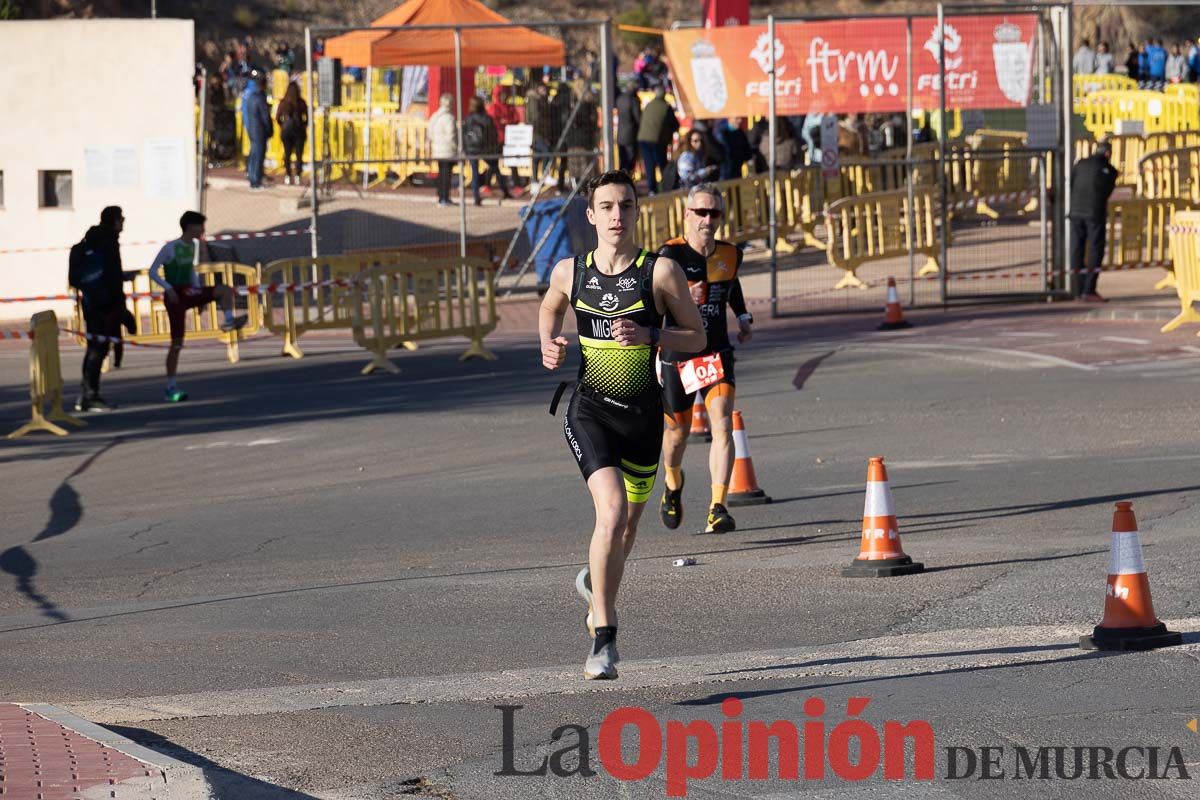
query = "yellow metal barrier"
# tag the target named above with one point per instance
(150, 315)
(875, 228)
(314, 308)
(413, 300)
(45, 379)
(1185, 253)
(1170, 174)
(1158, 111)
(1082, 86)
(1138, 232)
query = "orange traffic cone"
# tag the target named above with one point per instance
(880, 555)
(700, 428)
(893, 315)
(1129, 622)
(743, 484)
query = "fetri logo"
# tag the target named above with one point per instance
(953, 44)
(762, 55)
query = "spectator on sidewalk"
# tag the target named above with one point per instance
(481, 141)
(442, 138)
(1105, 64)
(256, 120)
(629, 117)
(1132, 63)
(655, 132)
(1193, 60)
(1092, 182)
(537, 116)
(1176, 68)
(292, 116)
(1084, 62)
(583, 134)
(788, 154)
(95, 272)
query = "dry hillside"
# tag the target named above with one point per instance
(268, 21)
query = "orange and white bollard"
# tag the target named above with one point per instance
(743, 483)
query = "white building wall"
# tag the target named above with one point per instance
(120, 89)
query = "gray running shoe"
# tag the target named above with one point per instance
(236, 323)
(602, 666)
(583, 585)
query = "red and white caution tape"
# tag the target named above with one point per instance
(16, 334)
(220, 237)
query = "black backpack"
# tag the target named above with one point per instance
(474, 137)
(85, 272)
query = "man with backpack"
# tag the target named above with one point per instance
(94, 270)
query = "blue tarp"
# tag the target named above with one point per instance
(570, 234)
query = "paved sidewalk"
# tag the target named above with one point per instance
(41, 758)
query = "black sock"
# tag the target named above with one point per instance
(604, 635)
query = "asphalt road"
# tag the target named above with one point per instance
(322, 584)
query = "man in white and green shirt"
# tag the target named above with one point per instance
(174, 269)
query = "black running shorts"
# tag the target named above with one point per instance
(602, 433)
(675, 399)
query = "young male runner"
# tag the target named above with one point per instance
(619, 294)
(711, 267)
(174, 270)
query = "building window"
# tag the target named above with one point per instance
(54, 188)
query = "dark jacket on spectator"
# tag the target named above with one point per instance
(480, 136)
(585, 127)
(99, 251)
(256, 117)
(537, 115)
(1092, 181)
(629, 117)
(659, 123)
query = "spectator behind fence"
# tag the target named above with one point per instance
(1143, 62)
(583, 134)
(561, 105)
(1105, 64)
(94, 270)
(787, 150)
(1084, 62)
(736, 146)
(537, 116)
(442, 135)
(629, 117)
(657, 128)
(292, 116)
(1092, 181)
(691, 166)
(1193, 60)
(1176, 68)
(256, 119)
(1156, 61)
(811, 133)
(1132, 67)
(481, 139)
(503, 114)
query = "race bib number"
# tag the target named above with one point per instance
(700, 372)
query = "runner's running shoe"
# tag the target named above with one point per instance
(719, 520)
(583, 585)
(602, 665)
(671, 507)
(237, 323)
(175, 395)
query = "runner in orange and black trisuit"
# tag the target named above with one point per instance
(711, 267)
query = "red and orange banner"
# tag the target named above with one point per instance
(857, 65)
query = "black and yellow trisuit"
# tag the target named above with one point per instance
(614, 418)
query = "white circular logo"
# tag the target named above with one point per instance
(609, 302)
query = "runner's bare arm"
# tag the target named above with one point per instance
(670, 294)
(550, 315)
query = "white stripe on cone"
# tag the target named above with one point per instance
(741, 448)
(879, 500)
(1126, 555)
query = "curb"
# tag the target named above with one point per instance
(181, 781)
(1132, 314)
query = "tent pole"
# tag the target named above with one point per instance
(367, 129)
(462, 164)
(606, 92)
(312, 142)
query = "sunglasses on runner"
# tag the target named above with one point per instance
(715, 213)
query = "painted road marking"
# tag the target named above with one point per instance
(888, 656)
(1124, 340)
(1030, 334)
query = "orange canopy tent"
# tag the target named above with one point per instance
(516, 46)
